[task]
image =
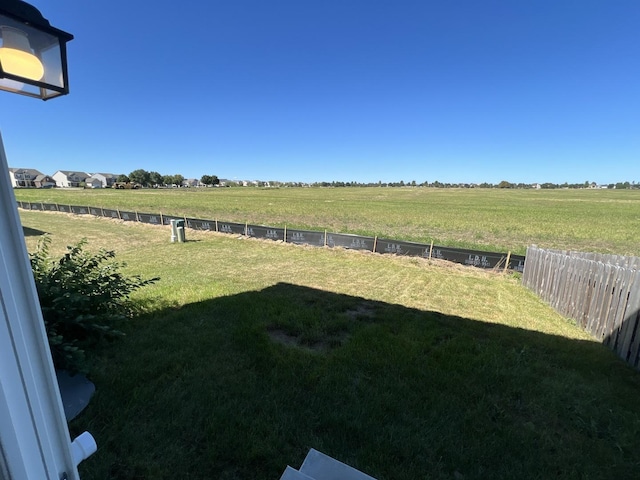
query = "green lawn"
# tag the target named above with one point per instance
(605, 221)
(254, 351)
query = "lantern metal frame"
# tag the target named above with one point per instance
(20, 15)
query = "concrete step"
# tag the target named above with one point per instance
(319, 466)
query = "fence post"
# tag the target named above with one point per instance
(506, 264)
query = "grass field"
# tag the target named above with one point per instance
(254, 351)
(606, 221)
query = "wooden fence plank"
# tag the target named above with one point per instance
(629, 326)
(618, 298)
(590, 282)
(613, 329)
(577, 288)
(606, 298)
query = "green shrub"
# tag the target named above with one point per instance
(85, 299)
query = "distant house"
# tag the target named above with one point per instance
(93, 182)
(67, 178)
(191, 182)
(44, 181)
(106, 179)
(23, 177)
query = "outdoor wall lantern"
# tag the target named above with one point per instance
(33, 54)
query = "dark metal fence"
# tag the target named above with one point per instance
(481, 259)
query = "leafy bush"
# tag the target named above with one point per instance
(84, 300)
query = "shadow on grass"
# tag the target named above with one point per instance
(238, 387)
(32, 232)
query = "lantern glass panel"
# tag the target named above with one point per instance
(22, 49)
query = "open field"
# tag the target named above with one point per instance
(606, 221)
(253, 351)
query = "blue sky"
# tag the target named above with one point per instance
(295, 90)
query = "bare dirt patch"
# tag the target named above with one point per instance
(322, 345)
(363, 310)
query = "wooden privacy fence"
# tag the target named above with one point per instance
(600, 292)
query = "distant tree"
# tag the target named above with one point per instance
(122, 178)
(167, 179)
(210, 180)
(178, 179)
(140, 176)
(505, 184)
(155, 178)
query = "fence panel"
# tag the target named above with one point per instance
(128, 216)
(78, 209)
(305, 237)
(197, 224)
(353, 242)
(260, 231)
(600, 292)
(151, 218)
(166, 219)
(397, 247)
(96, 212)
(50, 207)
(107, 212)
(229, 227)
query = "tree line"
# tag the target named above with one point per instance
(437, 184)
(151, 179)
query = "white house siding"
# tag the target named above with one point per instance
(23, 177)
(66, 178)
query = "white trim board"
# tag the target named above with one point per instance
(34, 438)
